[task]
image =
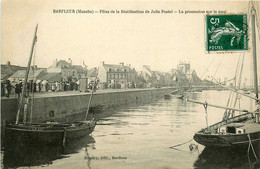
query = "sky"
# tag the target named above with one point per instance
(158, 40)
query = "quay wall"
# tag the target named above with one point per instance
(62, 108)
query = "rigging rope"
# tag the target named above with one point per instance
(217, 67)
(208, 67)
(192, 146)
(181, 144)
(251, 145)
(239, 83)
(230, 100)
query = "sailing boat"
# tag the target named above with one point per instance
(45, 133)
(238, 131)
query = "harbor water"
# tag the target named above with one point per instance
(141, 136)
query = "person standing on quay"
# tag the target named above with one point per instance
(18, 89)
(40, 86)
(8, 87)
(2, 89)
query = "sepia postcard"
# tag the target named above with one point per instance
(132, 84)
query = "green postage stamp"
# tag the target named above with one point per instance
(226, 32)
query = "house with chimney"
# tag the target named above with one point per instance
(117, 74)
(67, 70)
(8, 70)
(35, 73)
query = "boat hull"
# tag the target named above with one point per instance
(227, 140)
(211, 139)
(47, 135)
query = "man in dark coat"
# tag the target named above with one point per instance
(8, 88)
(2, 89)
(18, 88)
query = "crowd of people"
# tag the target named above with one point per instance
(15, 87)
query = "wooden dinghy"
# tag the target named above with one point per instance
(48, 133)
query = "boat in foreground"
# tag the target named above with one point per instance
(44, 133)
(48, 133)
(237, 131)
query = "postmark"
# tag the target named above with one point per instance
(226, 32)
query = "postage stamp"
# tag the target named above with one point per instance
(226, 32)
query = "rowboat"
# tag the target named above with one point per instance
(48, 133)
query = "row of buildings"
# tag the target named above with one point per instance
(108, 74)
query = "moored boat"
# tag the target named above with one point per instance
(44, 133)
(235, 131)
(48, 133)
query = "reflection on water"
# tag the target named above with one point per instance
(140, 136)
(226, 158)
(17, 155)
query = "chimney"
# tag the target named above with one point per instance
(70, 61)
(8, 63)
(121, 64)
(102, 63)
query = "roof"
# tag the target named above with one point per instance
(66, 65)
(147, 70)
(61, 63)
(21, 74)
(116, 68)
(51, 77)
(8, 70)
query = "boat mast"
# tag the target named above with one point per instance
(90, 99)
(26, 77)
(254, 50)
